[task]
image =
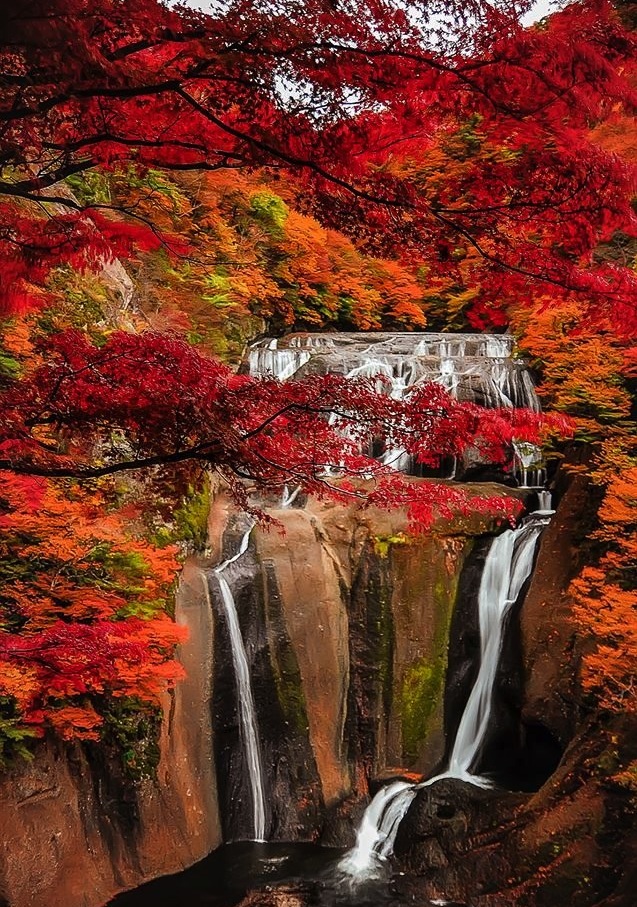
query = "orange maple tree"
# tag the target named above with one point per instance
(83, 609)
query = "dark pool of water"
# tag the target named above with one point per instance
(306, 872)
(223, 879)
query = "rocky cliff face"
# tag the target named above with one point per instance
(572, 839)
(346, 621)
(74, 830)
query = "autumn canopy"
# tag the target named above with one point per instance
(289, 165)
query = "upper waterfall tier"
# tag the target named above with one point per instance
(479, 368)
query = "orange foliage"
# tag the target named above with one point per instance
(82, 608)
(581, 364)
(606, 599)
(253, 257)
(584, 367)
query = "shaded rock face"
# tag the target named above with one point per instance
(293, 794)
(445, 825)
(346, 623)
(74, 830)
(574, 841)
(548, 635)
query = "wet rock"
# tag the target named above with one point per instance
(393, 774)
(443, 824)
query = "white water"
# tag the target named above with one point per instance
(507, 567)
(473, 367)
(528, 459)
(478, 368)
(289, 497)
(247, 714)
(545, 502)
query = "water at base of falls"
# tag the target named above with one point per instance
(286, 875)
(229, 873)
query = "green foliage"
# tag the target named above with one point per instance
(219, 290)
(130, 562)
(81, 301)
(189, 521)
(466, 142)
(270, 210)
(133, 727)
(152, 183)
(9, 367)
(91, 187)
(14, 736)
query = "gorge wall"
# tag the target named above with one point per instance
(74, 829)
(346, 621)
(573, 837)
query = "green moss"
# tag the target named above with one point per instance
(382, 543)
(191, 520)
(419, 696)
(288, 684)
(608, 761)
(385, 646)
(132, 727)
(285, 668)
(424, 682)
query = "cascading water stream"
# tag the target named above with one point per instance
(289, 497)
(247, 713)
(506, 569)
(508, 565)
(476, 368)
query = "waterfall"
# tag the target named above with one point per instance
(508, 565)
(545, 502)
(528, 459)
(506, 569)
(280, 363)
(289, 497)
(476, 368)
(247, 714)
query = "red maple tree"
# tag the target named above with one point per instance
(464, 146)
(353, 104)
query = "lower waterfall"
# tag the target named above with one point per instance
(247, 712)
(508, 565)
